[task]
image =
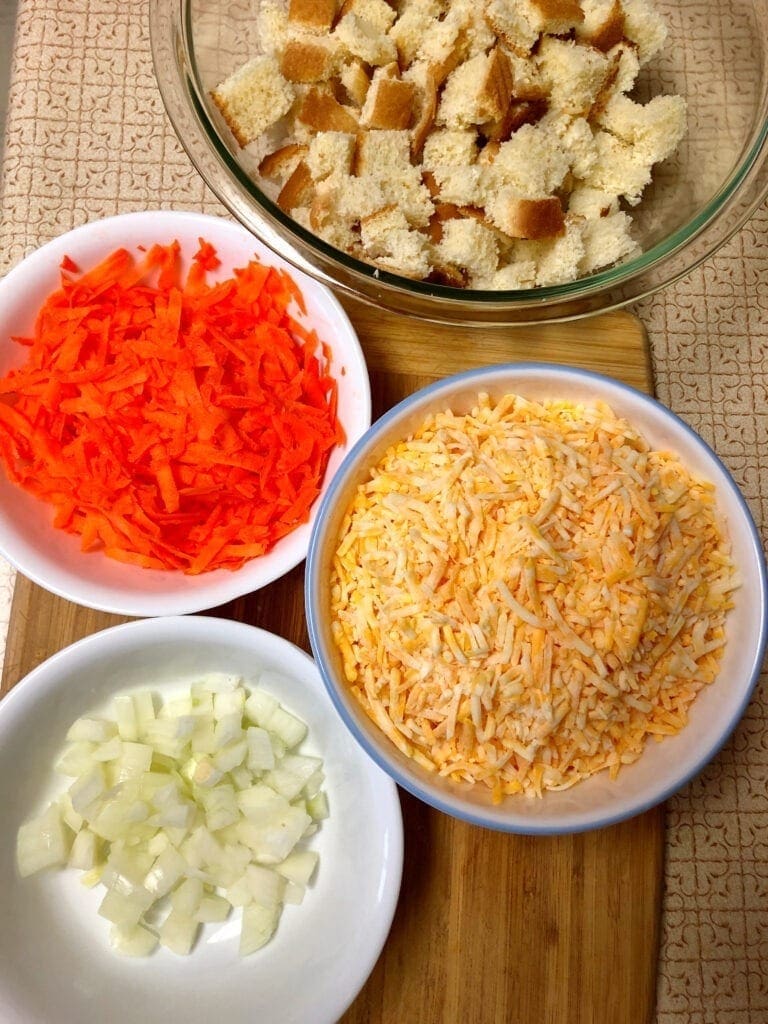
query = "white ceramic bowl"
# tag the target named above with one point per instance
(53, 558)
(663, 767)
(55, 961)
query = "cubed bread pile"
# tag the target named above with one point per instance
(487, 144)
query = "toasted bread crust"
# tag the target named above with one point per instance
(298, 189)
(389, 104)
(533, 218)
(312, 15)
(306, 61)
(355, 81)
(425, 117)
(321, 111)
(497, 88)
(609, 32)
(279, 164)
(518, 113)
(559, 10)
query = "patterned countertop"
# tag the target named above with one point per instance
(87, 137)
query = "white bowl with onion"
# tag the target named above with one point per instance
(56, 962)
(389, 728)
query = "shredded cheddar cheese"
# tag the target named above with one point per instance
(523, 595)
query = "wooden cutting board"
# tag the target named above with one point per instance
(490, 928)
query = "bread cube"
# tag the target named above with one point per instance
(533, 162)
(362, 39)
(606, 240)
(469, 245)
(330, 153)
(644, 26)
(389, 102)
(603, 24)
(617, 169)
(526, 218)
(253, 98)
(653, 129)
(312, 15)
(573, 74)
(387, 236)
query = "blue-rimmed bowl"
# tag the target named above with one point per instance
(663, 767)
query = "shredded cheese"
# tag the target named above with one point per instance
(522, 595)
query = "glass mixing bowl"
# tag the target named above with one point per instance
(716, 56)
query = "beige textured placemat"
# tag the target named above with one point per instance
(88, 137)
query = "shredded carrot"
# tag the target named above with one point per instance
(172, 424)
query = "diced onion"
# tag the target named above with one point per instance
(184, 811)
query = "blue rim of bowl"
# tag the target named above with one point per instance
(313, 583)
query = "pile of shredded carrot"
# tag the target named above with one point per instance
(173, 423)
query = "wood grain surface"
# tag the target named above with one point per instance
(490, 928)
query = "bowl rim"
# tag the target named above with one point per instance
(170, 597)
(460, 808)
(673, 257)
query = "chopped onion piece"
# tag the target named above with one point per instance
(220, 807)
(242, 777)
(317, 806)
(84, 850)
(260, 803)
(134, 761)
(239, 894)
(186, 898)
(125, 909)
(212, 910)
(178, 708)
(298, 866)
(231, 756)
(261, 756)
(92, 878)
(87, 788)
(272, 841)
(125, 713)
(132, 941)
(266, 886)
(165, 872)
(110, 750)
(229, 703)
(69, 815)
(76, 759)
(259, 924)
(42, 843)
(294, 893)
(178, 932)
(228, 729)
(144, 707)
(91, 730)
(260, 707)
(220, 682)
(287, 727)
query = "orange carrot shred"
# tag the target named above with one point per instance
(172, 422)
